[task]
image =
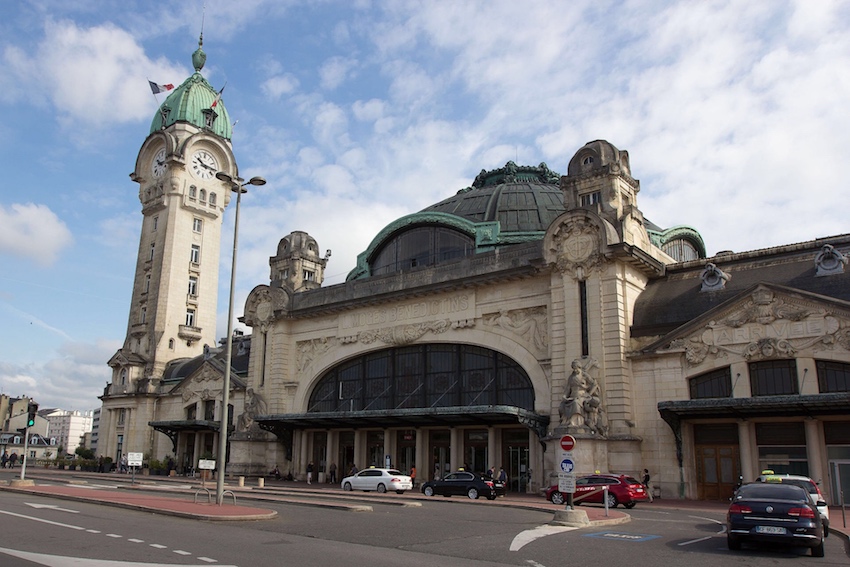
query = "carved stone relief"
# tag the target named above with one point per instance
(529, 324)
(765, 327)
(255, 404)
(581, 408)
(830, 261)
(576, 247)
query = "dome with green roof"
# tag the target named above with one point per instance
(196, 102)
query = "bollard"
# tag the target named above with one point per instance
(241, 481)
(261, 482)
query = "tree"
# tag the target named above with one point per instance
(84, 453)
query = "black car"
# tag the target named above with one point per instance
(461, 483)
(778, 514)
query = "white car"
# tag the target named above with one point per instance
(804, 482)
(379, 480)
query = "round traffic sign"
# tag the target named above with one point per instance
(567, 466)
(568, 442)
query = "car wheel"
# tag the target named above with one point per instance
(817, 551)
(382, 488)
(612, 501)
(347, 487)
(557, 498)
(733, 543)
(472, 493)
(630, 505)
(428, 491)
(492, 497)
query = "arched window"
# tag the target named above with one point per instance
(203, 195)
(421, 246)
(681, 250)
(714, 384)
(423, 376)
(212, 199)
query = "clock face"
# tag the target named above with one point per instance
(158, 166)
(204, 165)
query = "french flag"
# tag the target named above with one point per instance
(156, 89)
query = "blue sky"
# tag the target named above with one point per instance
(358, 112)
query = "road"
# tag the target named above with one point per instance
(38, 531)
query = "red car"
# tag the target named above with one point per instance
(622, 489)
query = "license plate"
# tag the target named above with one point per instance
(777, 530)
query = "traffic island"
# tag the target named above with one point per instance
(573, 518)
(19, 482)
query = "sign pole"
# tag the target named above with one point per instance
(567, 476)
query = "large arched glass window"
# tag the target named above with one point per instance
(421, 246)
(423, 376)
(681, 250)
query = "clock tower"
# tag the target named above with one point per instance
(175, 285)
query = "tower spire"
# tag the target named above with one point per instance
(199, 57)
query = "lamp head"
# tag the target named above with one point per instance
(257, 180)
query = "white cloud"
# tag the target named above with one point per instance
(280, 85)
(33, 232)
(335, 71)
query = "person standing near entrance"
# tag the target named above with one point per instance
(332, 475)
(413, 475)
(645, 481)
(310, 473)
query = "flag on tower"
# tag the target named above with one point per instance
(218, 96)
(156, 89)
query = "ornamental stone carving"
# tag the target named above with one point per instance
(581, 407)
(576, 246)
(255, 405)
(713, 278)
(308, 351)
(766, 327)
(830, 261)
(529, 324)
(262, 304)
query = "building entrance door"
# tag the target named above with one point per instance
(515, 457)
(718, 471)
(440, 442)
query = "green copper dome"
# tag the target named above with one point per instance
(193, 102)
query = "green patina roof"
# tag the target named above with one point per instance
(192, 102)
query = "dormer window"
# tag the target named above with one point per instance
(164, 111)
(588, 160)
(309, 276)
(209, 117)
(589, 199)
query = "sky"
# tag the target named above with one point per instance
(357, 112)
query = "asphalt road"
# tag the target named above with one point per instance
(37, 531)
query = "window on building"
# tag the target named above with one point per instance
(309, 276)
(714, 384)
(424, 376)
(421, 246)
(209, 410)
(119, 448)
(681, 250)
(195, 254)
(143, 315)
(193, 286)
(155, 222)
(192, 412)
(197, 224)
(588, 160)
(193, 192)
(212, 199)
(774, 378)
(203, 195)
(782, 447)
(590, 198)
(283, 274)
(153, 249)
(190, 317)
(123, 376)
(122, 416)
(171, 344)
(833, 376)
(147, 283)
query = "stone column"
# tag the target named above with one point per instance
(424, 467)
(388, 450)
(492, 455)
(456, 451)
(301, 471)
(360, 449)
(749, 460)
(814, 451)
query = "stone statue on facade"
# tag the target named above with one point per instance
(581, 406)
(254, 405)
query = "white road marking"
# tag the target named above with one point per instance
(114, 535)
(181, 552)
(534, 563)
(207, 559)
(528, 536)
(722, 530)
(134, 540)
(51, 507)
(59, 561)
(159, 546)
(93, 531)
(43, 521)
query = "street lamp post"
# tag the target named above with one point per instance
(238, 187)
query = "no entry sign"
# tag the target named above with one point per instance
(567, 443)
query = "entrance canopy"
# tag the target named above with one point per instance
(173, 428)
(484, 416)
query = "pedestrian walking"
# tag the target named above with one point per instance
(310, 473)
(645, 482)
